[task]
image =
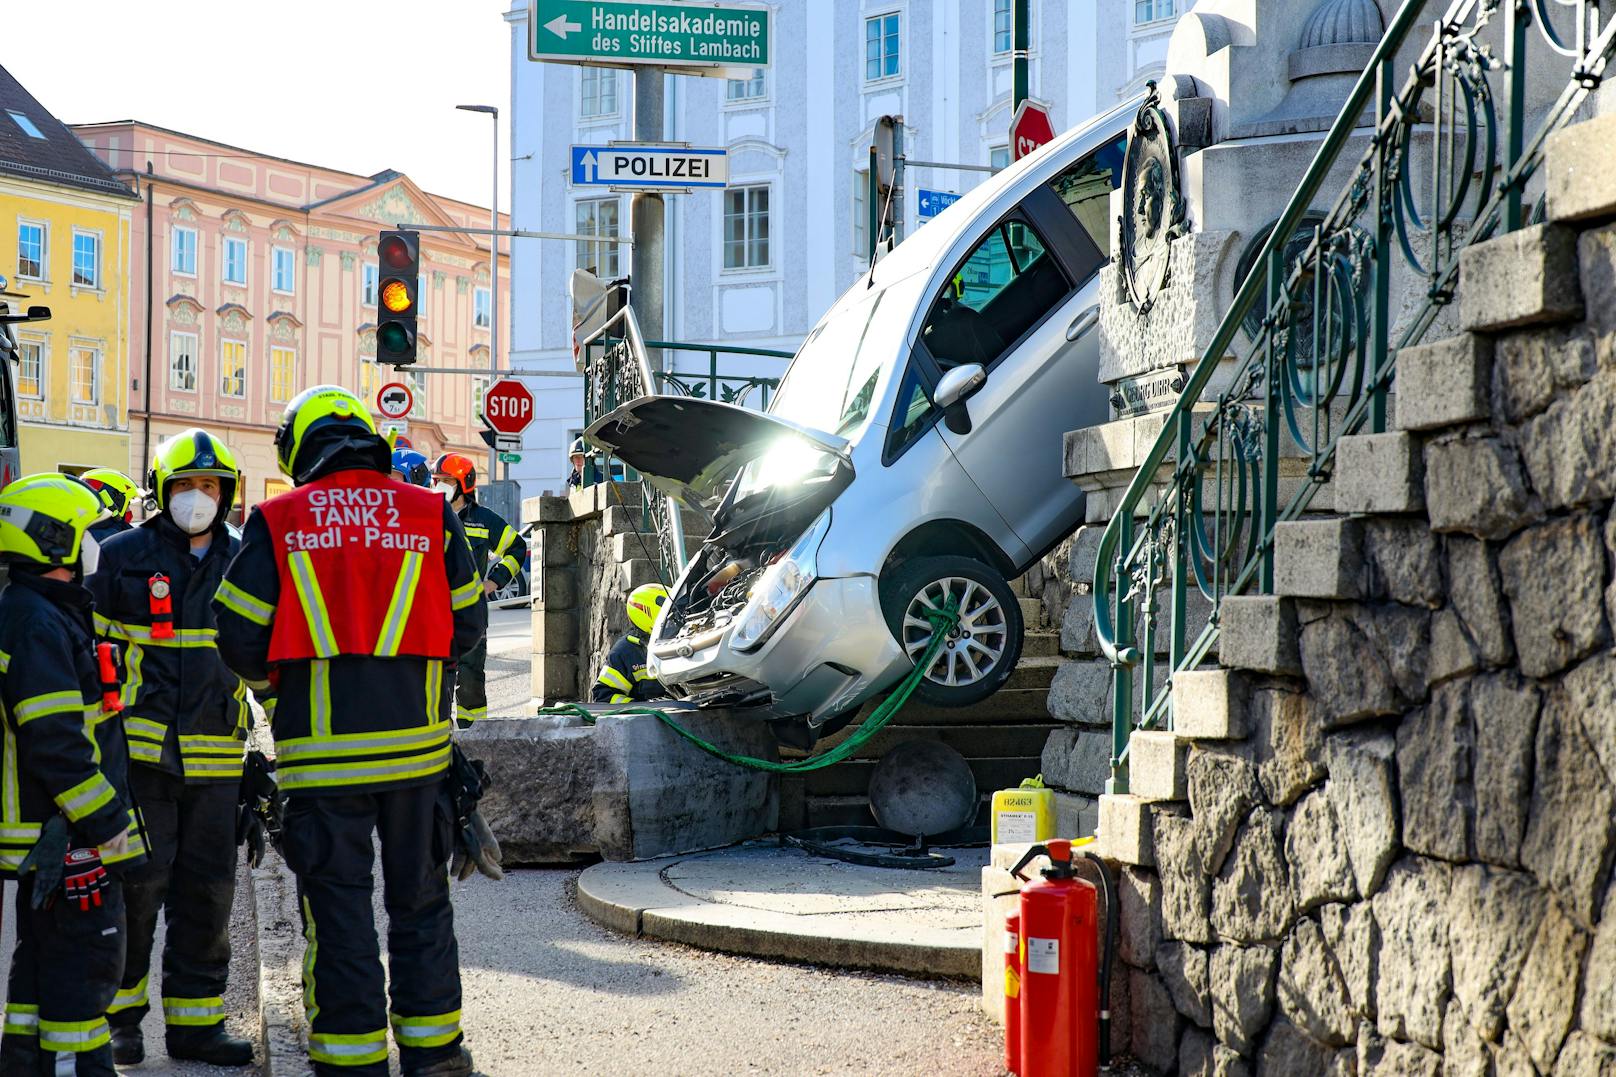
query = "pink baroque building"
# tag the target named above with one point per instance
(262, 282)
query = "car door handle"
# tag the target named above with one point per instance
(1083, 322)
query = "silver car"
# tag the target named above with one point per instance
(912, 454)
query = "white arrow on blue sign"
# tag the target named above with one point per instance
(931, 203)
(667, 167)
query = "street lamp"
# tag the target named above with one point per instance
(493, 260)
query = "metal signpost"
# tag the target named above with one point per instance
(666, 167)
(618, 34)
(930, 203)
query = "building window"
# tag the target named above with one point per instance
(182, 362)
(235, 261)
(861, 213)
(182, 258)
(31, 250)
(1145, 11)
(368, 276)
(233, 368)
(30, 369)
(85, 366)
(479, 389)
(418, 391)
(597, 217)
(284, 278)
(422, 284)
(282, 374)
(749, 89)
(597, 93)
(1003, 36)
(482, 308)
(369, 380)
(881, 47)
(86, 259)
(746, 228)
(999, 158)
(27, 125)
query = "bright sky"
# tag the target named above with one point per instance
(294, 78)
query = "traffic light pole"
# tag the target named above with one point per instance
(1020, 37)
(646, 217)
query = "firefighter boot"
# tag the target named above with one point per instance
(212, 1045)
(128, 1045)
(454, 1066)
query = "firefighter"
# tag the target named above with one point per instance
(69, 825)
(119, 494)
(492, 540)
(409, 465)
(187, 719)
(624, 678)
(355, 594)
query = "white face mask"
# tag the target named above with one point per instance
(447, 489)
(192, 511)
(89, 555)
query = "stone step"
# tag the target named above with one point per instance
(852, 777)
(1126, 830)
(1158, 764)
(1040, 645)
(1527, 277)
(1445, 383)
(619, 519)
(1319, 559)
(1210, 704)
(1032, 611)
(971, 740)
(1579, 183)
(1033, 673)
(1380, 473)
(1259, 632)
(1005, 705)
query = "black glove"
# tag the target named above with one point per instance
(46, 860)
(250, 832)
(259, 816)
(476, 849)
(85, 878)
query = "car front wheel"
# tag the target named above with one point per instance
(981, 651)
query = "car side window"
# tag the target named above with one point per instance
(1002, 289)
(913, 414)
(1085, 189)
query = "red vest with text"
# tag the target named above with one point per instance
(360, 557)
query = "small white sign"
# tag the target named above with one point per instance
(1043, 955)
(670, 167)
(1017, 826)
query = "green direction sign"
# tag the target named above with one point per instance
(510, 458)
(623, 32)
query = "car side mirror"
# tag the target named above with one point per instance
(958, 384)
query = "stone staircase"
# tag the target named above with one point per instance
(1379, 838)
(1002, 737)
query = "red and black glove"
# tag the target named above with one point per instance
(83, 877)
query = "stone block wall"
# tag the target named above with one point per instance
(1399, 861)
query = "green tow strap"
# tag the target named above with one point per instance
(942, 622)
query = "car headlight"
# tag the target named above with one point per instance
(781, 586)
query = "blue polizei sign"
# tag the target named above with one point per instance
(931, 203)
(671, 168)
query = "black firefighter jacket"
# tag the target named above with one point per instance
(185, 711)
(492, 539)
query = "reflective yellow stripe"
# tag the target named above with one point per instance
(476, 532)
(5, 661)
(50, 703)
(21, 1019)
(320, 698)
(398, 610)
(211, 757)
(435, 1031)
(136, 847)
(9, 799)
(243, 604)
(295, 777)
(193, 1011)
(13, 833)
(505, 541)
(619, 697)
(73, 1036)
(128, 998)
(135, 662)
(145, 727)
(86, 798)
(466, 595)
(106, 626)
(349, 745)
(142, 751)
(345, 1049)
(611, 678)
(643, 674)
(311, 1008)
(472, 714)
(183, 637)
(511, 566)
(313, 603)
(434, 691)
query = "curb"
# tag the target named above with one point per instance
(280, 1002)
(634, 899)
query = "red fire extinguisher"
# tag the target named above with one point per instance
(1012, 991)
(1064, 975)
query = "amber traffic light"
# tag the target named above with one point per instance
(398, 255)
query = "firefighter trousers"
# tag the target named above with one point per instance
(64, 972)
(327, 843)
(189, 876)
(471, 685)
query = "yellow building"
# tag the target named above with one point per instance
(64, 243)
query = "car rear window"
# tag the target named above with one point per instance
(1086, 188)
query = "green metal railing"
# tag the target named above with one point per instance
(1318, 353)
(617, 369)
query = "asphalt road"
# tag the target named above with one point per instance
(510, 662)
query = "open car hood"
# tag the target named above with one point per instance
(691, 448)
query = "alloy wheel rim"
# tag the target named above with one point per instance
(977, 644)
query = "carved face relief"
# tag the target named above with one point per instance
(1153, 209)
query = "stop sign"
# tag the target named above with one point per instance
(508, 406)
(1029, 129)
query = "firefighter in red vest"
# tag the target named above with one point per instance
(354, 594)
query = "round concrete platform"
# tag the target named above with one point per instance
(765, 900)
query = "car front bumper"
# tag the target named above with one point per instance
(832, 652)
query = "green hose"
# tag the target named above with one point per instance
(942, 622)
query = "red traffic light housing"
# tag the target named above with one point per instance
(398, 254)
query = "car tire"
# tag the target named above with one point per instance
(987, 645)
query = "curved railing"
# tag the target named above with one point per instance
(1318, 355)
